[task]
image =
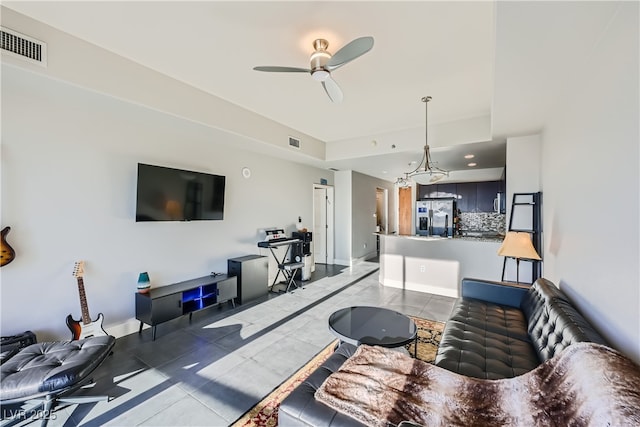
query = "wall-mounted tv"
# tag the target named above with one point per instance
(167, 194)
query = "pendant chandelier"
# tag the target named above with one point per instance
(427, 172)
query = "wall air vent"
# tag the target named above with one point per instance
(293, 142)
(21, 46)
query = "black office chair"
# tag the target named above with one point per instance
(45, 374)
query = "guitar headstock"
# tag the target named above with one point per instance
(78, 269)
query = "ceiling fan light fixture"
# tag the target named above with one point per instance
(322, 63)
(320, 75)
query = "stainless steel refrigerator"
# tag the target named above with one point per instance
(434, 217)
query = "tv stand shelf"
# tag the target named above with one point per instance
(166, 303)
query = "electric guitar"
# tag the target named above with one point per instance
(85, 328)
(7, 254)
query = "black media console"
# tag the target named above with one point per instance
(166, 303)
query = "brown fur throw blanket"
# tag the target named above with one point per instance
(585, 385)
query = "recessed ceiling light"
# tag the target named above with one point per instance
(469, 156)
(384, 172)
(472, 164)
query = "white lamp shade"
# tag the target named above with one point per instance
(426, 178)
(518, 245)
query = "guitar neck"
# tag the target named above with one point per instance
(86, 319)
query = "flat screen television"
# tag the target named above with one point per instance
(167, 194)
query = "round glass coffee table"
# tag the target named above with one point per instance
(373, 326)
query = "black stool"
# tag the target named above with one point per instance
(289, 270)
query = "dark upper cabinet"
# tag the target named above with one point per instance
(467, 197)
(487, 192)
(470, 196)
(427, 191)
(437, 190)
(424, 191)
(447, 190)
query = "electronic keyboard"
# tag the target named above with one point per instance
(280, 241)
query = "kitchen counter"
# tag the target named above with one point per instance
(487, 238)
(437, 264)
(481, 238)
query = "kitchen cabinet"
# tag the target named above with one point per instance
(470, 196)
(447, 190)
(486, 194)
(467, 197)
(437, 191)
(427, 191)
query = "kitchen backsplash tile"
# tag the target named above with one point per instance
(483, 221)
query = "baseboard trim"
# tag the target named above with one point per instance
(421, 287)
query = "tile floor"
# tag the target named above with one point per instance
(211, 371)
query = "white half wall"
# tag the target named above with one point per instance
(436, 265)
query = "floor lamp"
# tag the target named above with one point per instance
(518, 245)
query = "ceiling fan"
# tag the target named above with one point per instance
(322, 63)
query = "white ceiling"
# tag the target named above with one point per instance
(448, 50)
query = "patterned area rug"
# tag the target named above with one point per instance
(429, 335)
(265, 413)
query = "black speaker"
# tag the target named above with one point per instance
(297, 252)
(305, 236)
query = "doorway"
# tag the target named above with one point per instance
(405, 211)
(382, 210)
(323, 224)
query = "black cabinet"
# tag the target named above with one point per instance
(486, 194)
(438, 191)
(470, 196)
(427, 191)
(446, 190)
(164, 308)
(166, 303)
(252, 272)
(467, 196)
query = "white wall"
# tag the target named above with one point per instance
(590, 163)
(342, 215)
(89, 66)
(523, 165)
(524, 170)
(363, 200)
(69, 159)
(355, 207)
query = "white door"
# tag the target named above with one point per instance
(323, 224)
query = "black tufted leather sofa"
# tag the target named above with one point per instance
(47, 372)
(300, 407)
(494, 331)
(501, 331)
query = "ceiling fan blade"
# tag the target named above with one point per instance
(333, 90)
(271, 69)
(349, 52)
